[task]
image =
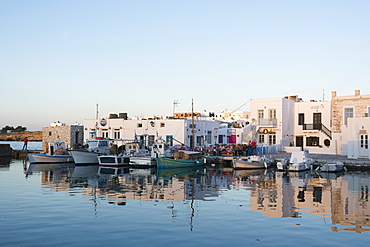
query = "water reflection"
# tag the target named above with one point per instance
(343, 198)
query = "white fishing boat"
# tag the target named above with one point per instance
(96, 147)
(114, 160)
(57, 153)
(332, 166)
(251, 162)
(298, 161)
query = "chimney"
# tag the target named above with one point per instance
(334, 94)
(357, 92)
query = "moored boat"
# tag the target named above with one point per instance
(298, 161)
(181, 158)
(331, 166)
(96, 147)
(114, 160)
(57, 153)
(252, 162)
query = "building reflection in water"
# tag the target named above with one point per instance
(343, 198)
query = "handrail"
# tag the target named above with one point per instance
(320, 127)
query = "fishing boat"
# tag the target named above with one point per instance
(57, 153)
(114, 160)
(96, 147)
(182, 158)
(298, 161)
(251, 162)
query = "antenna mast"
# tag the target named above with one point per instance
(175, 103)
(192, 125)
(97, 111)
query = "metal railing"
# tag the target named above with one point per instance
(319, 127)
(267, 122)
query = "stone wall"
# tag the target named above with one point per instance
(359, 103)
(71, 135)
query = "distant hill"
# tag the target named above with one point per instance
(19, 136)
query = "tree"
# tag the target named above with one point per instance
(6, 128)
(20, 129)
(11, 128)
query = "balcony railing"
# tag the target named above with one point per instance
(267, 122)
(319, 127)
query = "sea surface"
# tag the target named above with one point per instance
(68, 205)
(16, 145)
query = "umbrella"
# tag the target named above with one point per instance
(176, 147)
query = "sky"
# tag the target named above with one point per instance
(58, 59)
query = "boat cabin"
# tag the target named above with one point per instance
(187, 155)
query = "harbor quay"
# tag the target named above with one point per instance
(350, 164)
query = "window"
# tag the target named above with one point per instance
(364, 142)
(139, 125)
(104, 133)
(117, 134)
(50, 133)
(272, 113)
(200, 141)
(348, 113)
(169, 140)
(162, 125)
(312, 141)
(261, 139)
(260, 114)
(191, 126)
(272, 139)
(209, 136)
(301, 119)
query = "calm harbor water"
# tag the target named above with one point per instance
(15, 145)
(68, 205)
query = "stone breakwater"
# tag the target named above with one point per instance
(5, 150)
(19, 136)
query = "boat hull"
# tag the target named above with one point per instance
(84, 157)
(45, 158)
(178, 163)
(332, 167)
(113, 160)
(240, 164)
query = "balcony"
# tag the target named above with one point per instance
(267, 122)
(318, 127)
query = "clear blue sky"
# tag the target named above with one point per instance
(59, 58)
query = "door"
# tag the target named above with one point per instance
(317, 121)
(364, 145)
(299, 141)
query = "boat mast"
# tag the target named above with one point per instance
(192, 125)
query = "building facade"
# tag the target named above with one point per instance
(71, 135)
(272, 120)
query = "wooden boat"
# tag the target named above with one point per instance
(181, 158)
(57, 153)
(114, 160)
(251, 162)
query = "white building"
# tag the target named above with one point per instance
(272, 120)
(147, 130)
(312, 127)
